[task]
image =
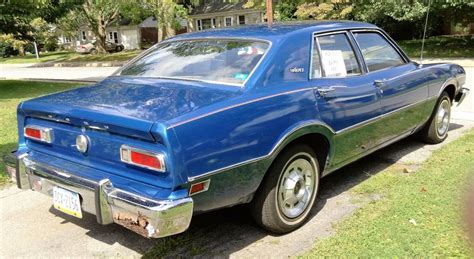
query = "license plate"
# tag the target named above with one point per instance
(67, 202)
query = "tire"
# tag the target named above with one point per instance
(282, 211)
(93, 51)
(118, 49)
(436, 129)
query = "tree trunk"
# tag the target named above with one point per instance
(101, 37)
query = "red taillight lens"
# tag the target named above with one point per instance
(142, 158)
(33, 133)
(38, 133)
(146, 160)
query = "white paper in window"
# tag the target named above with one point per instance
(333, 63)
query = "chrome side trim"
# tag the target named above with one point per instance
(374, 119)
(236, 105)
(275, 147)
(272, 151)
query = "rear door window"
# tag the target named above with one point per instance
(333, 56)
(377, 51)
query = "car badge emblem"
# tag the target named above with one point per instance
(82, 143)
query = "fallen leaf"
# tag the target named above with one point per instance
(422, 189)
(407, 170)
(412, 221)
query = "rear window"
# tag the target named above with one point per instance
(216, 60)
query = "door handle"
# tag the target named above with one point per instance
(379, 84)
(324, 91)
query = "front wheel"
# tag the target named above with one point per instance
(436, 130)
(289, 190)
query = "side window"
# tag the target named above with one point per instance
(377, 51)
(333, 56)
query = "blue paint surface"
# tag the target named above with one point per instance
(228, 133)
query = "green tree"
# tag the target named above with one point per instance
(99, 14)
(167, 13)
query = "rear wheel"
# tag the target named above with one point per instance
(288, 192)
(436, 130)
(118, 48)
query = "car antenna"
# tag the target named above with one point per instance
(424, 33)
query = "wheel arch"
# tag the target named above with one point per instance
(317, 135)
(450, 86)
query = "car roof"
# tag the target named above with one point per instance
(276, 31)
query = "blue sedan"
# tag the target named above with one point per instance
(212, 119)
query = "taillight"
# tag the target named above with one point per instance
(38, 133)
(143, 158)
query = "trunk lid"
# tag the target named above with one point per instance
(126, 106)
(118, 111)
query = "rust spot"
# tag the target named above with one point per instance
(133, 222)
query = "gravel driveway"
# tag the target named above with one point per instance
(31, 227)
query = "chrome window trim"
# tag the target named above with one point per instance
(128, 160)
(240, 85)
(315, 36)
(390, 41)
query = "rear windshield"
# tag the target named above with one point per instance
(216, 60)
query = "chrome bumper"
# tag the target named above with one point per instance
(147, 217)
(461, 95)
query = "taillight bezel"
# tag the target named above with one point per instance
(46, 134)
(126, 157)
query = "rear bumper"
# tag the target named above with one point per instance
(461, 95)
(147, 217)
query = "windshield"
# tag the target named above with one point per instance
(219, 60)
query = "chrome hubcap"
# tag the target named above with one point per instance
(296, 187)
(442, 118)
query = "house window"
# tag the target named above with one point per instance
(83, 35)
(228, 21)
(204, 24)
(67, 39)
(241, 19)
(113, 36)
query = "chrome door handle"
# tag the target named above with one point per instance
(379, 84)
(324, 91)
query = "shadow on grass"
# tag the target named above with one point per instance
(223, 232)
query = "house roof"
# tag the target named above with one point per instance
(217, 7)
(276, 32)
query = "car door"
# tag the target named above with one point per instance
(346, 97)
(402, 84)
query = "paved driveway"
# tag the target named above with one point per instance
(32, 228)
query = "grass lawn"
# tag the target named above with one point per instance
(11, 94)
(431, 198)
(71, 57)
(439, 47)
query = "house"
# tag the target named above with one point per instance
(215, 14)
(132, 36)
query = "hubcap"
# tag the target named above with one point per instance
(442, 118)
(296, 187)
